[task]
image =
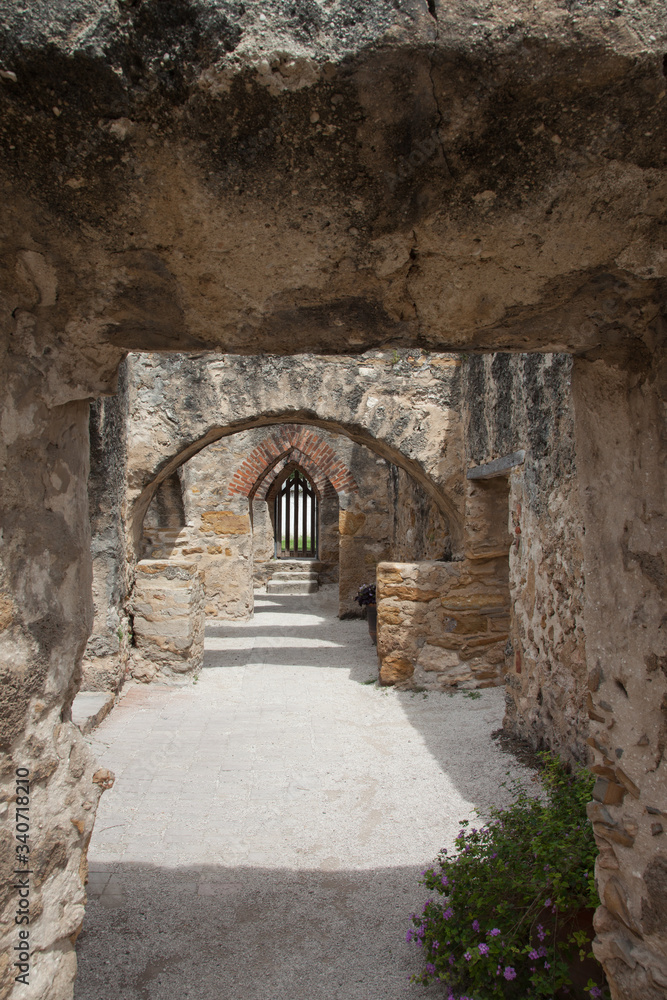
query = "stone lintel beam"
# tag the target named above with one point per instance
(498, 467)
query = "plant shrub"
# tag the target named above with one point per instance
(365, 594)
(506, 917)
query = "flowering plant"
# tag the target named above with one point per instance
(506, 917)
(366, 594)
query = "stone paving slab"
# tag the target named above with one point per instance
(268, 824)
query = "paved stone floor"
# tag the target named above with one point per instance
(264, 837)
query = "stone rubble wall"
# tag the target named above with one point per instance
(404, 406)
(167, 607)
(524, 402)
(621, 450)
(443, 624)
(46, 615)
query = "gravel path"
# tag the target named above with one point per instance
(267, 827)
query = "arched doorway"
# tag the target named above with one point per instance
(296, 517)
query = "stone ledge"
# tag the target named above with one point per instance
(90, 707)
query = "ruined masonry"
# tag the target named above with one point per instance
(314, 201)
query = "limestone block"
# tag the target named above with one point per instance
(168, 608)
(225, 522)
(438, 659)
(395, 668)
(350, 522)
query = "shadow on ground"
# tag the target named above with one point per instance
(215, 933)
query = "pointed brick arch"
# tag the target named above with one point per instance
(291, 443)
(285, 463)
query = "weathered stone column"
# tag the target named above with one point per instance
(168, 608)
(45, 619)
(620, 441)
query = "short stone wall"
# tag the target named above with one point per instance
(167, 604)
(443, 624)
(222, 551)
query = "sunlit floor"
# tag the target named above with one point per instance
(264, 837)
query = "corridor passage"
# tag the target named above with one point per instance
(267, 827)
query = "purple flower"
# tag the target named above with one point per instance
(435, 945)
(540, 932)
(448, 913)
(430, 968)
(408, 936)
(546, 965)
(509, 973)
(475, 925)
(547, 902)
(533, 956)
(595, 992)
(483, 949)
(494, 932)
(467, 956)
(444, 880)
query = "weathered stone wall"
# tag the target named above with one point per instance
(167, 607)
(620, 452)
(105, 660)
(443, 624)
(515, 402)
(403, 406)
(45, 618)
(166, 510)
(420, 530)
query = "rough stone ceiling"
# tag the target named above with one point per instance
(331, 177)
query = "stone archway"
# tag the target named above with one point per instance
(462, 185)
(256, 479)
(303, 445)
(361, 526)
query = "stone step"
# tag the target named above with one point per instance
(292, 586)
(296, 566)
(295, 575)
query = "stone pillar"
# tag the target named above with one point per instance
(620, 441)
(167, 604)
(106, 657)
(45, 619)
(443, 625)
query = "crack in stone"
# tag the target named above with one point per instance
(441, 120)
